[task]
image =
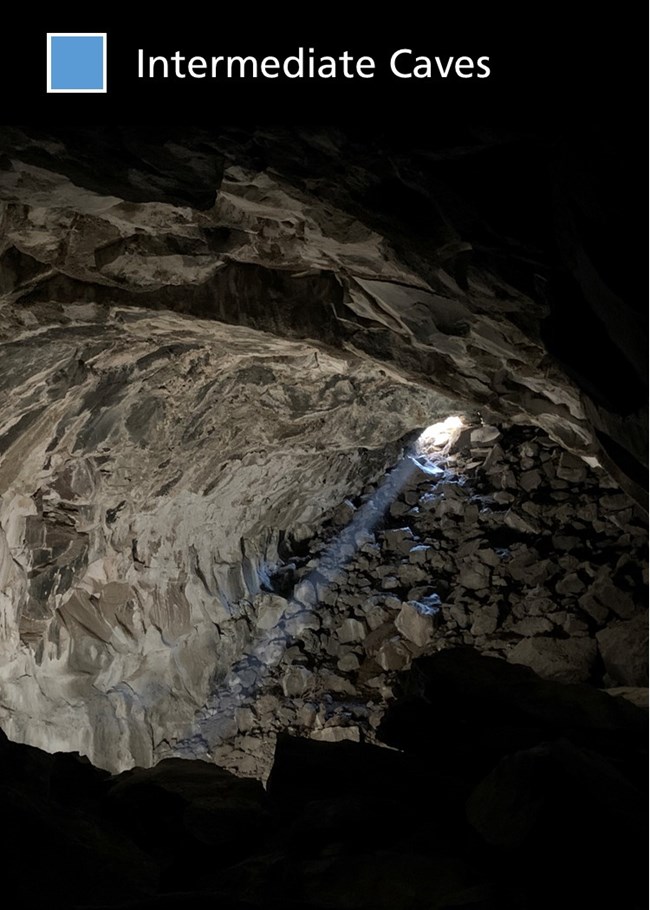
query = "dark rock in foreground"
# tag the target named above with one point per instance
(513, 792)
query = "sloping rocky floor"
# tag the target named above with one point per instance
(506, 544)
(508, 793)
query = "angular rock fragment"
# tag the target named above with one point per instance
(485, 620)
(348, 662)
(474, 575)
(271, 610)
(570, 584)
(416, 622)
(399, 540)
(530, 625)
(484, 435)
(393, 655)
(296, 681)
(571, 468)
(343, 514)
(351, 630)
(624, 649)
(337, 734)
(567, 660)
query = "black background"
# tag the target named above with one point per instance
(544, 69)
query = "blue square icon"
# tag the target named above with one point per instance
(76, 62)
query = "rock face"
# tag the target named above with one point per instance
(463, 554)
(210, 345)
(149, 472)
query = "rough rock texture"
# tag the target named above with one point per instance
(150, 467)
(209, 341)
(458, 551)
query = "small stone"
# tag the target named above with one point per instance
(494, 460)
(336, 734)
(531, 625)
(571, 468)
(375, 616)
(310, 641)
(343, 514)
(474, 576)
(330, 682)
(526, 566)
(593, 607)
(416, 623)
(519, 523)
(270, 610)
(459, 615)
(246, 677)
(507, 480)
(375, 639)
(570, 584)
(398, 509)
(306, 716)
(218, 728)
(574, 626)
(348, 663)
(489, 557)
(613, 598)
(296, 681)
(470, 514)
(565, 542)
(305, 593)
(419, 555)
(299, 623)
(449, 507)
(390, 583)
(569, 563)
(351, 630)
(530, 480)
(410, 574)
(614, 503)
(468, 548)
(399, 540)
(393, 655)
(245, 719)
(484, 435)
(486, 620)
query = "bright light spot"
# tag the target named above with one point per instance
(439, 435)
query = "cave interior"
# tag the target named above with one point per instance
(323, 522)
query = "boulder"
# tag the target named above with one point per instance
(624, 649)
(416, 622)
(566, 659)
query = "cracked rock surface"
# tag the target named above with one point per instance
(455, 552)
(211, 343)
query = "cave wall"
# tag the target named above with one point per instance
(208, 340)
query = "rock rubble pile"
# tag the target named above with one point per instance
(507, 544)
